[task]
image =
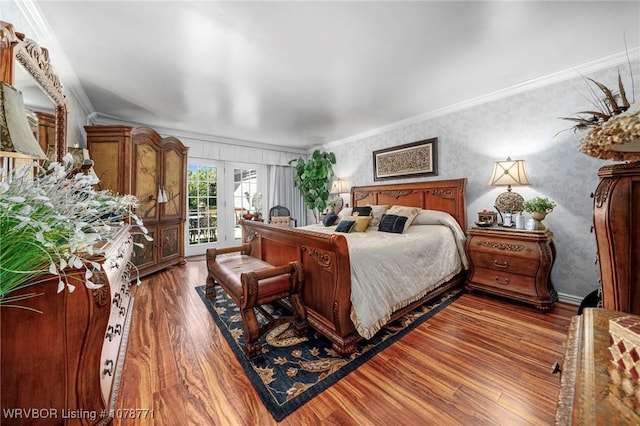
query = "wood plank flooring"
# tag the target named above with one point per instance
(481, 361)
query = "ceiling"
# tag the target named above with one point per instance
(301, 73)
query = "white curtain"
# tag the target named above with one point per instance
(282, 192)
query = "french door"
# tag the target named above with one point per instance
(219, 195)
(247, 185)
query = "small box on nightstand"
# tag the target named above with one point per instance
(488, 217)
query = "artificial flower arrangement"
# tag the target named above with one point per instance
(53, 223)
(612, 126)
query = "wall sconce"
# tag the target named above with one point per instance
(16, 138)
(338, 187)
(507, 173)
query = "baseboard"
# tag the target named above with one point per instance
(569, 298)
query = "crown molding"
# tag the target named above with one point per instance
(39, 30)
(100, 118)
(568, 74)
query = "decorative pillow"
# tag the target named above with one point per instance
(362, 211)
(432, 217)
(361, 223)
(392, 223)
(345, 225)
(344, 213)
(281, 220)
(377, 212)
(330, 219)
(409, 212)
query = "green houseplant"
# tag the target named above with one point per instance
(312, 177)
(539, 207)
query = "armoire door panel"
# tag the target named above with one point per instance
(147, 183)
(145, 256)
(171, 236)
(173, 186)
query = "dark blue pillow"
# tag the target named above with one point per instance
(345, 226)
(392, 223)
(362, 211)
(330, 219)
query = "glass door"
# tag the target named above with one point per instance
(205, 196)
(247, 194)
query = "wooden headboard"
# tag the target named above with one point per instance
(444, 195)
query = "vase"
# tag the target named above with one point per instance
(539, 217)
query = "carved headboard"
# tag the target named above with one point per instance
(443, 195)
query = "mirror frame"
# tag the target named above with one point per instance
(16, 48)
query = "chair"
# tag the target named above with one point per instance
(278, 215)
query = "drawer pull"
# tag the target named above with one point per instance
(505, 282)
(501, 265)
(108, 371)
(109, 334)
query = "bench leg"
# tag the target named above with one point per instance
(301, 326)
(210, 289)
(252, 348)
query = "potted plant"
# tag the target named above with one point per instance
(539, 207)
(311, 177)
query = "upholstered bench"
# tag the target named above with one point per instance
(251, 282)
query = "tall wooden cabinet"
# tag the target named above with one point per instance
(616, 215)
(138, 161)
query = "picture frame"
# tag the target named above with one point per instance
(415, 159)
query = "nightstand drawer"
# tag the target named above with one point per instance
(502, 246)
(505, 263)
(505, 281)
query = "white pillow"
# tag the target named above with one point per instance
(433, 217)
(344, 213)
(377, 212)
(409, 212)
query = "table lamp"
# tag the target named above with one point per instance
(507, 173)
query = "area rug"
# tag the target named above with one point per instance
(292, 370)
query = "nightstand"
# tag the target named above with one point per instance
(513, 263)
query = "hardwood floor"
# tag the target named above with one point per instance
(481, 361)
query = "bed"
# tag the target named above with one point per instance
(326, 256)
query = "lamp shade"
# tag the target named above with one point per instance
(509, 172)
(339, 187)
(15, 133)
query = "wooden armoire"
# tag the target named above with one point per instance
(616, 215)
(139, 161)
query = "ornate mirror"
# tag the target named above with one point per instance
(26, 66)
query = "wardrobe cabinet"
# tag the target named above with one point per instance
(138, 161)
(616, 215)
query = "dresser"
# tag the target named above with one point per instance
(512, 263)
(138, 161)
(62, 366)
(593, 390)
(616, 221)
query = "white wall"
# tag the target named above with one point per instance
(522, 126)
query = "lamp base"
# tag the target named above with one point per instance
(510, 202)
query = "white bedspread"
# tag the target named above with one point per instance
(389, 271)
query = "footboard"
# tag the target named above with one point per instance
(325, 262)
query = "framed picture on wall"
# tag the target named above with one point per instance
(413, 159)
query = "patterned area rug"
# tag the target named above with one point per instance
(292, 370)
